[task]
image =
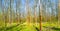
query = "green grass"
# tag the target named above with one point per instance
(46, 26)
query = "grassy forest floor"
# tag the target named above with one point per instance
(46, 26)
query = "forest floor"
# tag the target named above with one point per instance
(46, 26)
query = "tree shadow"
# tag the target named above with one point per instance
(54, 28)
(8, 28)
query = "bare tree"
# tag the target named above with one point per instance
(35, 13)
(58, 12)
(18, 14)
(40, 14)
(28, 11)
(12, 12)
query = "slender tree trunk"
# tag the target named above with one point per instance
(40, 14)
(3, 10)
(28, 12)
(58, 12)
(10, 13)
(17, 11)
(35, 17)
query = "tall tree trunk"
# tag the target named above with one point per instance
(18, 2)
(40, 14)
(17, 11)
(10, 13)
(58, 12)
(35, 17)
(28, 12)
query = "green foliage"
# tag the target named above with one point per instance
(32, 27)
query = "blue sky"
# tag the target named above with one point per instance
(31, 3)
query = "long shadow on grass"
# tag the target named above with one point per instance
(53, 28)
(36, 28)
(8, 28)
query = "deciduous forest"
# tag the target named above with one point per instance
(29, 15)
